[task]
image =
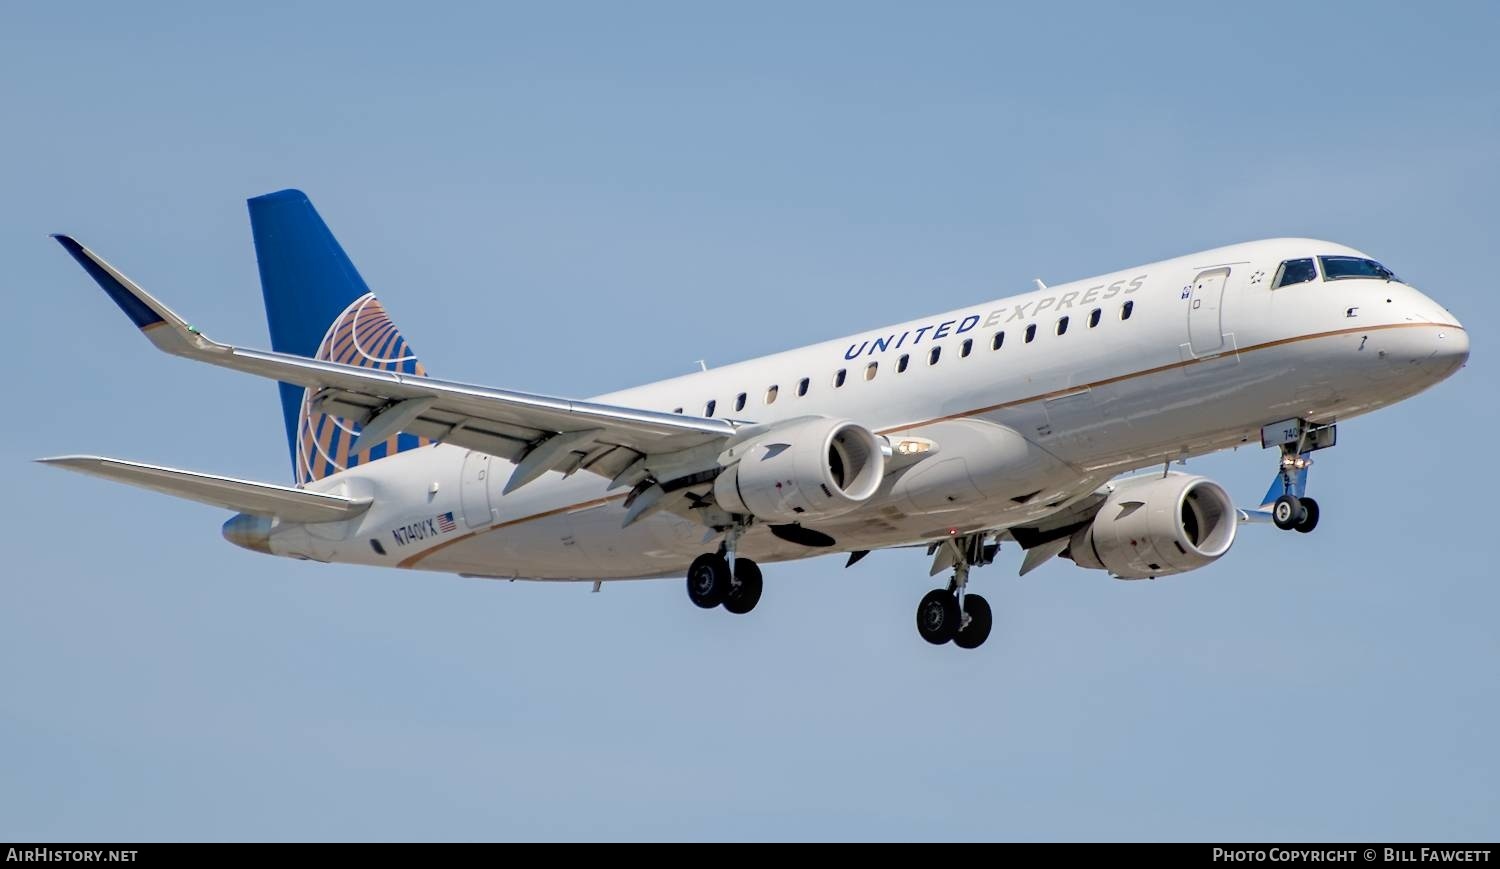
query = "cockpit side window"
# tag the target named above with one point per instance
(1295, 271)
(1339, 267)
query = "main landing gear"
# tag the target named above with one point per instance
(951, 613)
(711, 582)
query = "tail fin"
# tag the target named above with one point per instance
(318, 306)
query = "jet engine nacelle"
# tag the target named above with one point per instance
(801, 470)
(1157, 526)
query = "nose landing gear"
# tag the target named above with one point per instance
(1290, 509)
(1290, 513)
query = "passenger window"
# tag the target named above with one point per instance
(998, 341)
(1062, 325)
(1126, 310)
(1094, 317)
(739, 402)
(902, 362)
(771, 394)
(677, 410)
(1295, 271)
(1030, 333)
(838, 379)
(802, 387)
(966, 348)
(871, 369)
(708, 409)
(932, 357)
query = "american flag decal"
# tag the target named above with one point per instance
(446, 523)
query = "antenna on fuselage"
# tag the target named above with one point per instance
(1039, 284)
(702, 365)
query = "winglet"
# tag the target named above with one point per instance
(165, 328)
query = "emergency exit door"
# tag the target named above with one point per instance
(474, 489)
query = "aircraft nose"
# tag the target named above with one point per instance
(1430, 354)
(1432, 344)
(249, 532)
(1420, 353)
(1450, 351)
(1452, 348)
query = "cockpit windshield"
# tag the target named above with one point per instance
(1295, 271)
(1340, 267)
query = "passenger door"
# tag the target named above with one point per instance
(1205, 327)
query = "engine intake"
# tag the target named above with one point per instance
(802, 470)
(1157, 526)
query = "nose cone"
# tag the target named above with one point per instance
(1436, 350)
(249, 532)
(1450, 352)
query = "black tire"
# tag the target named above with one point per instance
(744, 594)
(973, 635)
(1286, 512)
(1309, 516)
(938, 616)
(708, 580)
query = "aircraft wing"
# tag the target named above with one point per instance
(539, 432)
(262, 499)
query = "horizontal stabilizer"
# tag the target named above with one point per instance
(261, 499)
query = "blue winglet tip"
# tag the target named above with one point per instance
(137, 310)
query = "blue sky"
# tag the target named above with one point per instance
(573, 198)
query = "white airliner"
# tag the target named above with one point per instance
(1004, 421)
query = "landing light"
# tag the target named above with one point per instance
(913, 447)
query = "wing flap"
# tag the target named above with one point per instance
(245, 496)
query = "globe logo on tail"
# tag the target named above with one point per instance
(362, 335)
